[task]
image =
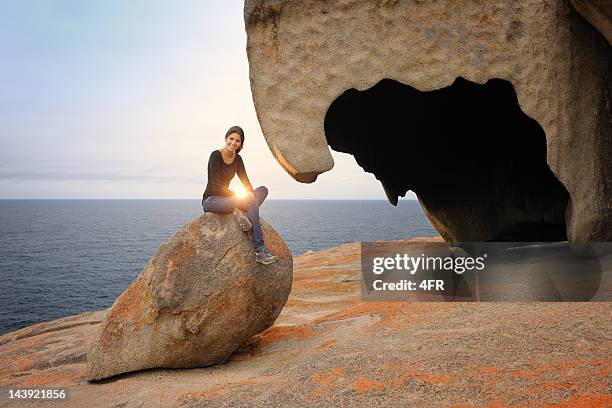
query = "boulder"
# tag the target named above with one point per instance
(197, 301)
(541, 68)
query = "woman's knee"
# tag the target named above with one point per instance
(244, 203)
(206, 205)
(261, 192)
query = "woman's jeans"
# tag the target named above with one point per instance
(223, 205)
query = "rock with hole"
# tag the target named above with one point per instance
(495, 114)
(197, 301)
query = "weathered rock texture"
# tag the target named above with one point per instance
(197, 301)
(598, 13)
(330, 348)
(304, 55)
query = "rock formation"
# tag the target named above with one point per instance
(198, 300)
(496, 114)
(598, 13)
(328, 347)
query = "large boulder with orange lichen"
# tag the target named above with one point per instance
(197, 301)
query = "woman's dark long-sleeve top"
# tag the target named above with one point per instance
(220, 174)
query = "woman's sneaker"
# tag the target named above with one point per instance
(263, 255)
(243, 221)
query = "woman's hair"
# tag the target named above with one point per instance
(236, 129)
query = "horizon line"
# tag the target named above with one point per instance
(199, 199)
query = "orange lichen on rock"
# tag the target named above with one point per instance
(293, 302)
(55, 378)
(126, 304)
(585, 401)
(274, 242)
(488, 375)
(182, 252)
(19, 363)
(320, 273)
(486, 370)
(326, 344)
(393, 315)
(364, 384)
(193, 230)
(328, 377)
(283, 333)
(433, 378)
(547, 381)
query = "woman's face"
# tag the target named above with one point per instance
(233, 142)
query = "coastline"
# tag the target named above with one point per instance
(328, 347)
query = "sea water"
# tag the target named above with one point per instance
(64, 257)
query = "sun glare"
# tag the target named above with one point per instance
(239, 191)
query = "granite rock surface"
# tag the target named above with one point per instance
(598, 13)
(329, 348)
(196, 302)
(303, 55)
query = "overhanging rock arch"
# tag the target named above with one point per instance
(304, 55)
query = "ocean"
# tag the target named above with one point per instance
(64, 257)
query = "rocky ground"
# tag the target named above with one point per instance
(328, 348)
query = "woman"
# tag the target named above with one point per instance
(223, 164)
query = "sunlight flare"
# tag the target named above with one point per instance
(239, 190)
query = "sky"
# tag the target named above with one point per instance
(126, 99)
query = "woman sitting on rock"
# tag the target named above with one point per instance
(223, 164)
